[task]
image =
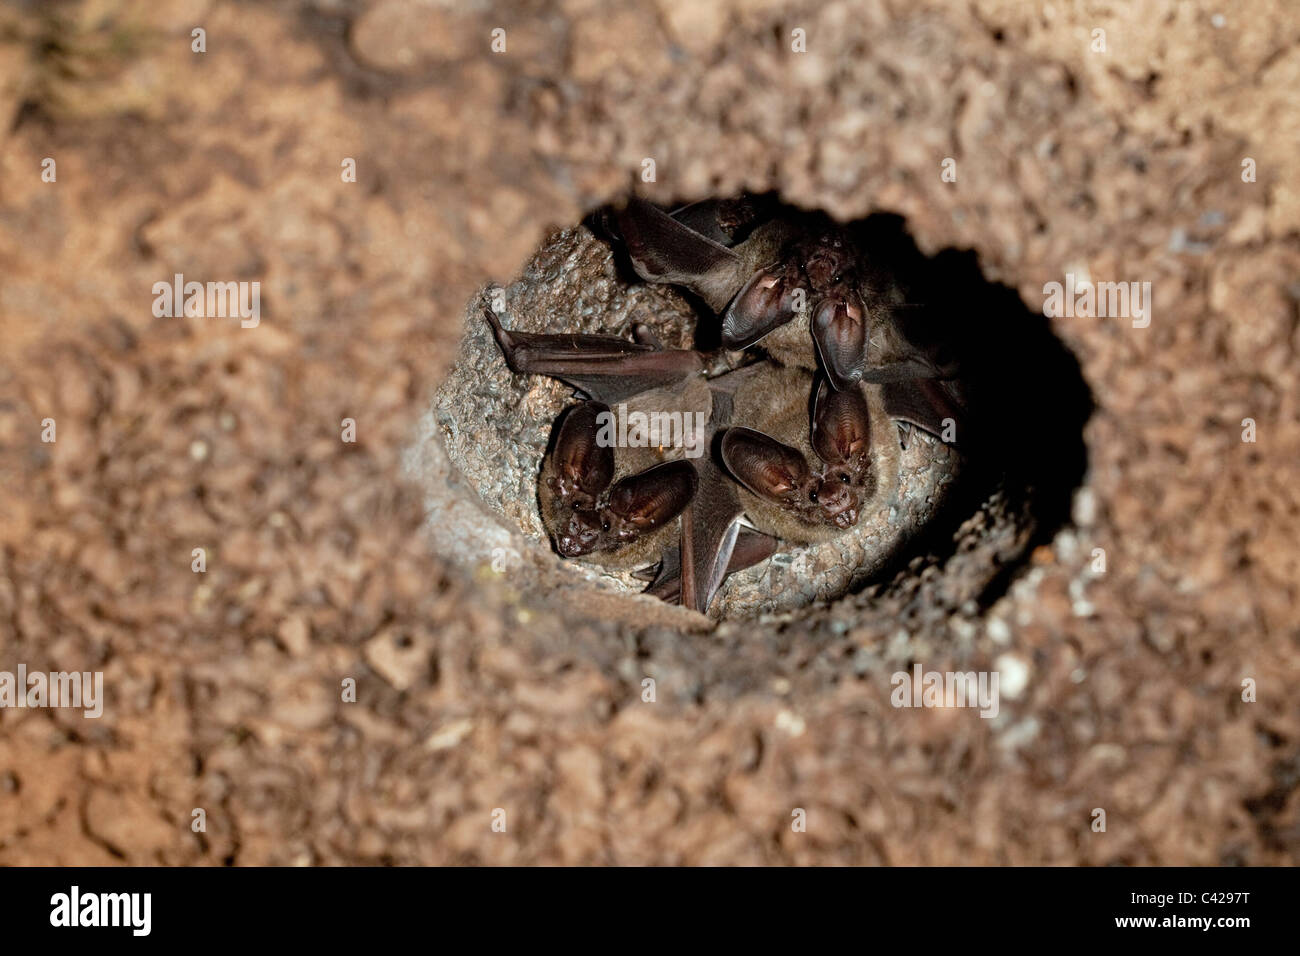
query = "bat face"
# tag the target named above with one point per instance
(820, 268)
(841, 437)
(585, 510)
(828, 492)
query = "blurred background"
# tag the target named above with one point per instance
(213, 139)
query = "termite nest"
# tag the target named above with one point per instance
(734, 407)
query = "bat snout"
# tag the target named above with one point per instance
(570, 546)
(839, 504)
(846, 518)
(582, 535)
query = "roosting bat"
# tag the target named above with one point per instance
(617, 506)
(798, 285)
(587, 512)
(809, 477)
(793, 448)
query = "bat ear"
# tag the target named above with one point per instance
(763, 304)
(655, 496)
(841, 426)
(580, 457)
(839, 328)
(666, 250)
(762, 464)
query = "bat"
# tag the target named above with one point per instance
(798, 285)
(587, 512)
(617, 507)
(810, 474)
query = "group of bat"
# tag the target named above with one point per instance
(799, 443)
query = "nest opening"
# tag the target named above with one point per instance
(973, 509)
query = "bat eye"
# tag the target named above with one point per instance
(604, 525)
(812, 495)
(844, 478)
(836, 278)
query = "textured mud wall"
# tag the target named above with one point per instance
(1121, 689)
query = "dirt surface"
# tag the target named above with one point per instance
(1122, 688)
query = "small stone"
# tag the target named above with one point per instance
(961, 627)
(998, 630)
(1019, 734)
(1085, 508)
(396, 658)
(1013, 675)
(791, 723)
(295, 635)
(306, 706)
(449, 735)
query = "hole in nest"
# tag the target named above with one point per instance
(740, 405)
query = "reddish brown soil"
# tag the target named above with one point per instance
(223, 688)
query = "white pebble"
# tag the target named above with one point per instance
(999, 631)
(1085, 508)
(1013, 675)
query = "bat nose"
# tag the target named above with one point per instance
(838, 505)
(846, 518)
(576, 542)
(569, 546)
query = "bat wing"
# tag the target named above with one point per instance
(724, 221)
(605, 367)
(924, 402)
(751, 548)
(664, 249)
(710, 527)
